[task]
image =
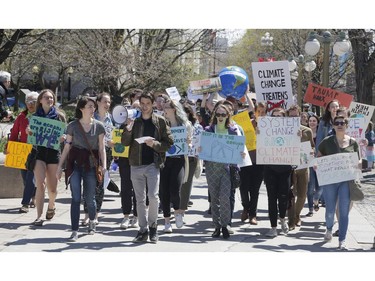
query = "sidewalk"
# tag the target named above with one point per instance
(18, 235)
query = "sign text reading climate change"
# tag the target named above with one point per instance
(45, 132)
(278, 142)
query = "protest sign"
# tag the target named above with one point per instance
(243, 119)
(205, 86)
(173, 93)
(221, 148)
(306, 158)
(195, 141)
(17, 153)
(272, 83)
(119, 150)
(360, 109)
(337, 168)
(356, 128)
(321, 96)
(278, 142)
(45, 132)
(179, 146)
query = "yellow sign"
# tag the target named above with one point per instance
(119, 149)
(17, 153)
(244, 121)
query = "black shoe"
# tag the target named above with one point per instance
(225, 231)
(153, 234)
(141, 237)
(190, 203)
(336, 233)
(216, 233)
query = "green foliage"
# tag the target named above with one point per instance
(3, 141)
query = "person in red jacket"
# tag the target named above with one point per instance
(18, 133)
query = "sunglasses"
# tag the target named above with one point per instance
(31, 102)
(339, 123)
(221, 115)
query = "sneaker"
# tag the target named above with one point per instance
(328, 236)
(336, 233)
(125, 223)
(225, 231)
(38, 222)
(272, 232)
(141, 237)
(179, 220)
(190, 203)
(96, 221)
(134, 223)
(167, 228)
(73, 237)
(92, 227)
(284, 226)
(342, 245)
(153, 234)
(24, 209)
(230, 230)
(244, 215)
(253, 221)
(309, 214)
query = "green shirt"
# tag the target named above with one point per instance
(330, 146)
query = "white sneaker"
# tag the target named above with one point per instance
(125, 223)
(328, 236)
(230, 230)
(134, 223)
(179, 220)
(92, 227)
(342, 245)
(272, 232)
(73, 237)
(167, 228)
(284, 226)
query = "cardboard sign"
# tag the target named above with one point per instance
(45, 132)
(306, 159)
(278, 142)
(337, 168)
(17, 154)
(173, 93)
(119, 149)
(205, 86)
(360, 109)
(321, 96)
(179, 146)
(243, 119)
(356, 128)
(272, 83)
(222, 148)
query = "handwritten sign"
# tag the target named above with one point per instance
(195, 141)
(272, 83)
(119, 149)
(356, 128)
(360, 109)
(205, 86)
(17, 153)
(337, 168)
(222, 148)
(243, 119)
(179, 146)
(306, 159)
(321, 96)
(278, 142)
(45, 132)
(173, 93)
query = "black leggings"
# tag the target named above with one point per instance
(128, 201)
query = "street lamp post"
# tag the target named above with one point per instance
(70, 72)
(266, 42)
(308, 66)
(35, 71)
(341, 46)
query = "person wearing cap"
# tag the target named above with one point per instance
(18, 134)
(4, 85)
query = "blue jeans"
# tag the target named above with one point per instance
(89, 185)
(314, 191)
(29, 187)
(337, 193)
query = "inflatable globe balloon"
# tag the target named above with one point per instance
(234, 81)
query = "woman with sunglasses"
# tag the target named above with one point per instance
(18, 133)
(218, 177)
(338, 193)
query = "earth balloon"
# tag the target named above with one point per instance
(234, 81)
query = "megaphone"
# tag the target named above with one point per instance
(121, 114)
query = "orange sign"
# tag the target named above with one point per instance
(321, 96)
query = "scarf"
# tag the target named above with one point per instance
(52, 114)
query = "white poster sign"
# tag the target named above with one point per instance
(360, 109)
(306, 158)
